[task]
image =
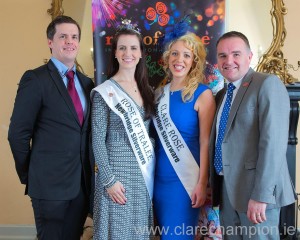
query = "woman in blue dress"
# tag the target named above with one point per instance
(185, 108)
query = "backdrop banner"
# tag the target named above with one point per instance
(152, 18)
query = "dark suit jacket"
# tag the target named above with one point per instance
(49, 146)
(255, 144)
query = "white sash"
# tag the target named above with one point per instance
(175, 147)
(140, 142)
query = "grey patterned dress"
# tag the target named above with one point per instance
(116, 162)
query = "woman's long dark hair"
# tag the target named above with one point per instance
(141, 73)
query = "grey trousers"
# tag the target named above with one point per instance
(236, 225)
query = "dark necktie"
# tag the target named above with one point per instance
(222, 127)
(74, 95)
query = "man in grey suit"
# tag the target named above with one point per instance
(249, 174)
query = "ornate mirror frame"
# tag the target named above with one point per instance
(272, 61)
(56, 8)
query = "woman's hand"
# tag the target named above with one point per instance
(199, 195)
(117, 193)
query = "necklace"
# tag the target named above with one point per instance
(176, 86)
(131, 84)
(175, 91)
(134, 86)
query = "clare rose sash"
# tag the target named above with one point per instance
(174, 145)
(140, 142)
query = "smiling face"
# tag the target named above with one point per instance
(128, 51)
(65, 43)
(180, 60)
(234, 58)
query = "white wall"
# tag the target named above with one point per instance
(252, 18)
(84, 18)
(291, 47)
(23, 46)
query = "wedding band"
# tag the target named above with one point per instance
(258, 214)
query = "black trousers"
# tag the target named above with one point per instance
(60, 220)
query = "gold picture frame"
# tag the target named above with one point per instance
(273, 60)
(56, 8)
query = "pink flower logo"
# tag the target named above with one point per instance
(158, 14)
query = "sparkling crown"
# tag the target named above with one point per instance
(126, 24)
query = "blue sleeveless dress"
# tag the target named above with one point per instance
(173, 208)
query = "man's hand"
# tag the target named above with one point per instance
(256, 211)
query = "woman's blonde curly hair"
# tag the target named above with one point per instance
(196, 74)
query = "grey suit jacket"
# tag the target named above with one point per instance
(255, 144)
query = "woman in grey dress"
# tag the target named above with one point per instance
(122, 203)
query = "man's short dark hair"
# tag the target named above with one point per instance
(232, 34)
(51, 29)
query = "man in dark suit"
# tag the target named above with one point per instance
(249, 173)
(49, 133)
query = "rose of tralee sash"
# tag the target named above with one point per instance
(140, 142)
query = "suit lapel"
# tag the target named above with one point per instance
(86, 90)
(219, 98)
(57, 79)
(238, 98)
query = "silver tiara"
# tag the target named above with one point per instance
(126, 24)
